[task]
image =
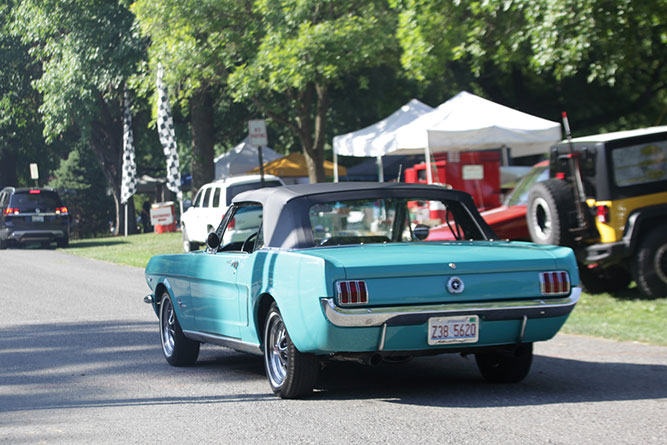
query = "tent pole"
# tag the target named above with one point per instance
(380, 169)
(126, 217)
(335, 156)
(429, 173)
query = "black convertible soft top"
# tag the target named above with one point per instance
(285, 209)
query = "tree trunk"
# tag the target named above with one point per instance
(201, 112)
(311, 131)
(107, 142)
(8, 175)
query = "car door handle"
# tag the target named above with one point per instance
(234, 263)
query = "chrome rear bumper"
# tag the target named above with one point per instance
(414, 315)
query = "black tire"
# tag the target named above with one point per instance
(188, 246)
(176, 347)
(508, 364)
(63, 242)
(3, 243)
(549, 205)
(610, 279)
(650, 264)
(291, 373)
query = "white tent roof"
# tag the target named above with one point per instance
(378, 139)
(241, 159)
(469, 122)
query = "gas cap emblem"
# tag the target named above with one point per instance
(455, 285)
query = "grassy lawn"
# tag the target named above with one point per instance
(625, 316)
(133, 250)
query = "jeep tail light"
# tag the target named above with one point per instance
(61, 211)
(602, 214)
(352, 292)
(555, 283)
(11, 211)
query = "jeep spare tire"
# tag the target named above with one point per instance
(549, 205)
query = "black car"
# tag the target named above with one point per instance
(33, 215)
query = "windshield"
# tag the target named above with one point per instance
(520, 193)
(389, 221)
(234, 190)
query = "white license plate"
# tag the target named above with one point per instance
(460, 329)
(38, 219)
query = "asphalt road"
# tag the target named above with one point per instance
(80, 362)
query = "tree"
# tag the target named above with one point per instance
(83, 189)
(603, 59)
(21, 140)
(87, 50)
(304, 49)
(198, 42)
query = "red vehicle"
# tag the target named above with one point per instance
(509, 220)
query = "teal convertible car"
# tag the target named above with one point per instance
(343, 272)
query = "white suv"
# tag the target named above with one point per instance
(211, 204)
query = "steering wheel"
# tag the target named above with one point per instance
(248, 241)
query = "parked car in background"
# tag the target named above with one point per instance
(343, 271)
(211, 203)
(509, 220)
(33, 215)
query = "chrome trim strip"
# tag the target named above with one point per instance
(227, 342)
(412, 315)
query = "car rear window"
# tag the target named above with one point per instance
(640, 164)
(29, 201)
(391, 221)
(234, 190)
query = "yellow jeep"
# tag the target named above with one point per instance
(613, 213)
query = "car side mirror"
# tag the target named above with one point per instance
(421, 231)
(213, 241)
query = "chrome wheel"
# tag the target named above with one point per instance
(168, 327)
(276, 356)
(291, 372)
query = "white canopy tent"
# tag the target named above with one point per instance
(241, 159)
(377, 139)
(469, 122)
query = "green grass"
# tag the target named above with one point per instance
(133, 250)
(625, 316)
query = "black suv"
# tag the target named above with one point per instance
(33, 215)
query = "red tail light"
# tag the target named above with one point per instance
(352, 292)
(62, 211)
(232, 223)
(34, 192)
(555, 283)
(10, 211)
(602, 214)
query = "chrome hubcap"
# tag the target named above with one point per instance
(276, 347)
(168, 330)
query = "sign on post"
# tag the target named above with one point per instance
(34, 172)
(258, 138)
(257, 132)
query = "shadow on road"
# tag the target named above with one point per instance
(76, 365)
(453, 381)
